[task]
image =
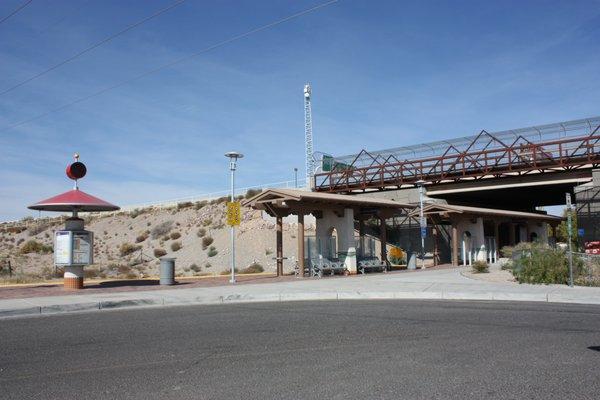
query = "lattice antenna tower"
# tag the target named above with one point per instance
(308, 137)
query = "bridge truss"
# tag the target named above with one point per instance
(542, 149)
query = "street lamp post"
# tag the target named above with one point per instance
(233, 157)
(422, 222)
(296, 178)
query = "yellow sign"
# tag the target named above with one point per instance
(234, 213)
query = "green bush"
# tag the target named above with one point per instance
(128, 248)
(544, 265)
(207, 222)
(212, 251)
(206, 241)
(175, 246)
(33, 246)
(201, 232)
(480, 267)
(159, 252)
(175, 235)
(253, 268)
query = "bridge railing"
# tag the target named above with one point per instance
(518, 157)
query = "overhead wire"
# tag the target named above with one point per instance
(93, 46)
(22, 6)
(170, 64)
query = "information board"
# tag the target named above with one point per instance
(82, 248)
(62, 247)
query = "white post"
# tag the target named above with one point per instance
(232, 168)
(233, 156)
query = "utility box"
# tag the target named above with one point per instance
(73, 248)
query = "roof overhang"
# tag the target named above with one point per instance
(447, 209)
(282, 202)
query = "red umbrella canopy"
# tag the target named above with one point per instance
(73, 200)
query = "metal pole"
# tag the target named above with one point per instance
(422, 224)
(296, 178)
(232, 169)
(569, 228)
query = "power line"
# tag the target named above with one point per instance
(22, 6)
(92, 47)
(169, 64)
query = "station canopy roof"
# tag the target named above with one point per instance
(278, 202)
(437, 208)
(73, 200)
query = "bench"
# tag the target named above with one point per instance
(323, 266)
(371, 265)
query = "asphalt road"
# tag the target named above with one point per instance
(313, 350)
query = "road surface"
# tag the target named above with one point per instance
(307, 350)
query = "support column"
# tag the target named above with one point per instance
(454, 245)
(436, 251)
(279, 246)
(73, 278)
(361, 235)
(511, 234)
(301, 244)
(383, 238)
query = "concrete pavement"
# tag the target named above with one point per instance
(444, 284)
(386, 349)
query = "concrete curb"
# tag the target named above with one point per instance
(546, 297)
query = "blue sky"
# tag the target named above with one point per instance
(384, 74)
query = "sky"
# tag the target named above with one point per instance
(383, 74)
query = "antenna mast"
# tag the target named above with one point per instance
(310, 160)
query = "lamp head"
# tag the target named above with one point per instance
(234, 155)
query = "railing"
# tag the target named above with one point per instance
(519, 157)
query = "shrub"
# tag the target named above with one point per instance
(184, 205)
(212, 251)
(141, 237)
(507, 266)
(206, 241)
(159, 252)
(252, 192)
(207, 222)
(162, 229)
(199, 204)
(37, 228)
(545, 265)
(207, 265)
(175, 235)
(268, 251)
(396, 255)
(195, 268)
(128, 248)
(175, 246)
(480, 267)
(201, 232)
(228, 271)
(32, 246)
(253, 268)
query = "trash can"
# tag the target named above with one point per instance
(167, 271)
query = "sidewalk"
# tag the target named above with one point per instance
(441, 284)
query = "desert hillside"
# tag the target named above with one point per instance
(128, 244)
